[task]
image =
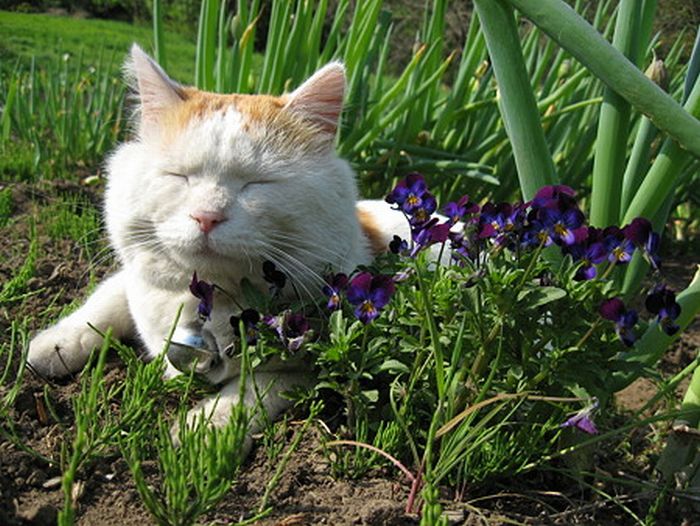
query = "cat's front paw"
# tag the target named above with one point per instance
(62, 349)
(211, 412)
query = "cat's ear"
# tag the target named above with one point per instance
(156, 91)
(320, 98)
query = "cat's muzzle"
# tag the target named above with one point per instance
(192, 349)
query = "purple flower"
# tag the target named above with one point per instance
(408, 192)
(250, 319)
(293, 329)
(455, 211)
(398, 245)
(462, 248)
(662, 302)
(296, 330)
(369, 294)
(639, 232)
(336, 285)
(276, 278)
(589, 253)
(566, 226)
(614, 310)
(558, 197)
(428, 234)
(497, 221)
(205, 292)
(583, 420)
(619, 247)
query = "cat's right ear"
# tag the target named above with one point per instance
(156, 91)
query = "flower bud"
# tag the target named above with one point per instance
(658, 74)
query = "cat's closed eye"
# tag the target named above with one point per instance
(183, 177)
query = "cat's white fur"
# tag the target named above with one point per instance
(278, 194)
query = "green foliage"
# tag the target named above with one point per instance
(46, 39)
(72, 218)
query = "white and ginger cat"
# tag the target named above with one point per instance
(217, 184)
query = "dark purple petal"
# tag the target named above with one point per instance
(612, 309)
(381, 291)
(358, 290)
(638, 231)
(205, 292)
(585, 272)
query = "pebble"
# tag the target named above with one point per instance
(52, 483)
(39, 514)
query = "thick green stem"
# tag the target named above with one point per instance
(580, 39)
(516, 100)
(613, 128)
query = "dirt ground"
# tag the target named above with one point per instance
(30, 489)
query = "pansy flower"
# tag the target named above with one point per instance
(276, 278)
(428, 234)
(640, 233)
(205, 292)
(250, 319)
(618, 247)
(293, 329)
(557, 197)
(583, 420)
(588, 253)
(614, 310)
(398, 245)
(455, 211)
(662, 302)
(336, 284)
(369, 294)
(497, 220)
(566, 226)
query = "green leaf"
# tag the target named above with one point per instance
(536, 297)
(253, 297)
(393, 366)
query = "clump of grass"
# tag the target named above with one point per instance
(5, 206)
(72, 218)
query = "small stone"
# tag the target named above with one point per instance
(39, 514)
(52, 483)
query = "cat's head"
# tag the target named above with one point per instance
(214, 181)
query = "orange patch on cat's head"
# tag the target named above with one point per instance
(372, 231)
(262, 115)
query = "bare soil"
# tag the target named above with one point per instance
(30, 488)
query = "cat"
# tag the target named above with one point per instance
(218, 184)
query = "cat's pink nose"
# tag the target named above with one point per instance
(208, 220)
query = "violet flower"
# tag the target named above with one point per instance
(276, 278)
(662, 302)
(566, 226)
(336, 284)
(205, 292)
(614, 310)
(369, 294)
(411, 195)
(293, 329)
(398, 245)
(619, 247)
(250, 319)
(560, 197)
(455, 211)
(639, 232)
(583, 420)
(428, 234)
(589, 254)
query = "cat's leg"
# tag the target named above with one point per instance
(65, 348)
(262, 398)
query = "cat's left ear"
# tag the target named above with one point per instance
(156, 91)
(320, 98)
